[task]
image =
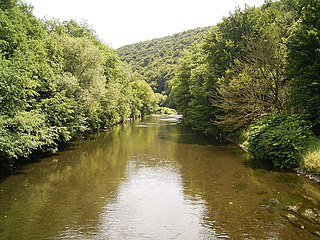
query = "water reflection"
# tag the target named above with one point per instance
(151, 205)
(154, 180)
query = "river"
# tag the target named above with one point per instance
(154, 179)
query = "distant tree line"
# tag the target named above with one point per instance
(59, 82)
(157, 59)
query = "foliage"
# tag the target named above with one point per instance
(279, 138)
(58, 82)
(64, 113)
(17, 26)
(190, 91)
(166, 111)
(156, 59)
(25, 133)
(304, 60)
(146, 99)
(238, 72)
(311, 157)
(71, 28)
(258, 88)
(256, 62)
(16, 87)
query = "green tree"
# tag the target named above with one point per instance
(156, 59)
(58, 82)
(259, 87)
(191, 88)
(304, 60)
(144, 99)
(17, 25)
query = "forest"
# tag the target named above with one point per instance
(59, 82)
(256, 78)
(157, 59)
(253, 78)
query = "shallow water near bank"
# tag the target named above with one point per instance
(154, 179)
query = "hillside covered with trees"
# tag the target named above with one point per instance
(59, 82)
(256, 78)
(157, 59)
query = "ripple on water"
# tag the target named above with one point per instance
(151, 205)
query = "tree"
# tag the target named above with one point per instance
(190, 90)
(258, 89)
(304, 61)
(17, 25)
(156, 59)
(58, 82)
(238, 71)
(252, 80)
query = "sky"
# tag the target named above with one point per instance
(121, 22)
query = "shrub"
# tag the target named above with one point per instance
(279, 138)
(166, 110)
(24, 133)
(311, 158)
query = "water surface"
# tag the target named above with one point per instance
(154, 179)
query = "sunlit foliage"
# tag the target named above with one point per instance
(156, 59)
(58, 82)
(256, 62)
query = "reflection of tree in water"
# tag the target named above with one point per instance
(234, 193)
(68, 194)
(74, 187)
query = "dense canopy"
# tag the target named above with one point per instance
(258, 63)
(59, 82)
(157, 59)
(250, 78)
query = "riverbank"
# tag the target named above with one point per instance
(309, 164)
(307, 173)
(11, 166)
(310, 161)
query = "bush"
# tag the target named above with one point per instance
(311, 157)
(24, 133)
(279, 138)
(166, 110)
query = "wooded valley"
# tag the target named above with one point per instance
(254, 78)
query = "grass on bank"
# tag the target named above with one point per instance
(311, 158)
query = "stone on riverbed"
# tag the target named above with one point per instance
(294, 220)
(311, 216)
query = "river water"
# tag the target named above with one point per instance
(154, 179)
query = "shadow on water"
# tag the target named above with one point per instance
(184, 135)
(156, 179)
(17, 167)
(260, 164)
(257, 163)
(3, 177)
